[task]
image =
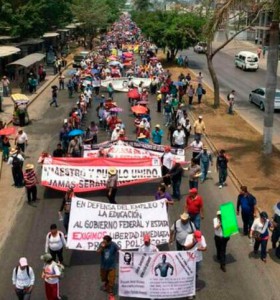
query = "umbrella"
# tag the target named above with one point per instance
(178, 83)
(8, 131)
(75, 132)
(128, 54)
(94, 71)
(142, 102)
(133, 94)
(71, 72)
(116, 109)
(115, 63)
(138, 109)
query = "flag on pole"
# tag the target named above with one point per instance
(229, 220)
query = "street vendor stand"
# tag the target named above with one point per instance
(20, 114)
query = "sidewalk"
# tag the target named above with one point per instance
(238, 45)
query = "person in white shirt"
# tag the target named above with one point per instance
(197, 147)
(21, 140)
(167, 162)
(55, 241)
(220, 241)
(51, 274)
(116, 133)
(23, 279)
(147, 247)
(179, 138)
(196, 242)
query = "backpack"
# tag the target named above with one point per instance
(27, 271)
(228, 96)
(16, 163)
(203, 91)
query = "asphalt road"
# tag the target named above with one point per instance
(246, 277)
(232, 78)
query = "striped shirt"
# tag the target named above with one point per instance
(30, 178)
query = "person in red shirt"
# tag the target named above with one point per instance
(194, 207)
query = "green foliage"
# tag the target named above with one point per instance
(142, 5)
(114, 9)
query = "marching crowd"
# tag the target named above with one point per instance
(74, 135)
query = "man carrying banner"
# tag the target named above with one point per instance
(112, 185)
(220, 241)
(180, 230)
(109, 252)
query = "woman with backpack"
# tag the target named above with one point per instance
(55, 241)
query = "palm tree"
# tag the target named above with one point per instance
(271, 78)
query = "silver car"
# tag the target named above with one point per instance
(257, 96)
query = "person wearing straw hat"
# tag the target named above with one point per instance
(220, 241)
(276, 230)
(16, 161)
(180, 230)
(23, 279)
(30, 181)
(112, 183)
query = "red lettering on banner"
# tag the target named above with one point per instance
(79, 236)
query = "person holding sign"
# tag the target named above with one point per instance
(147, 247)
(220, 241)
(109, 252)
(112, 185)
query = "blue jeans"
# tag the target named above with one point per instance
(193, 184)
(176, 189)
(167, 118)
(195, 218)
(263, 244)
(54, 100)
(204, 170)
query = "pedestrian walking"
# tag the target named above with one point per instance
(199, 92)
(199, 78)
(205, 158)
(51, 275)
(167, 108)
(21, 140)
(260, 232)
(16, 161)
(5, 147)
(54, 96)
(55, 241)
(248, 204)
(167, 162)
(199, 127)
(30, 182)
(220, 241)
(190, 93)
(157, 135)
(61, 79)
(275, 238)
(109, 253)
(6, 86)
(197, 147)
(176, 173)
(110, 90)
(163, 194)
(159, 100)
(194, 174)
(65, 208)
(231, 100)
(112, 183)
(70, 87)
(221, 166)
(179, 138)
(180, 230)
(194, 207)
(147, 247)
(23, 279)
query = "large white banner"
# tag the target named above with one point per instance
(160, 275)
(125, 223)
(121, 84)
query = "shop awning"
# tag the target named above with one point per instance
(8, 50)
(29, 60)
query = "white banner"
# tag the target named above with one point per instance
(121, 84)
(125, 223)
(160, 275)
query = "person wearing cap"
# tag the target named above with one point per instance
(176, 173)
(276, 230)
(196, 147)
(195, 207)
(220, 241)
(167, 162)
(23, 279)
(180, 230)
(157, 135)
(147, 247)
(222, 166)
(30, 181)
(109, 254)
(51, 274)
(205, 158)
(21, 140)
(16, 161)
(248, 204)
(196, 242)
(194, 174)
(112, 185)
(65, 208)
(179, 138)
(260, 232)
(199, 127)
(141, 129)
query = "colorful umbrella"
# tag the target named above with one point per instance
(8, 131)
(75, 132)
(138, 109)
(133, 94)
(116, 109)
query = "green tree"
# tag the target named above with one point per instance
(115, 8)
(142, 5)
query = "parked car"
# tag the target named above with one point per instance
(78, 58)
(200, 47)
(257, 96)
(246, 60)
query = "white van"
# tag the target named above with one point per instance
(246, 60)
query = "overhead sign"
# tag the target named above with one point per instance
(125, 223)
(157, 275)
